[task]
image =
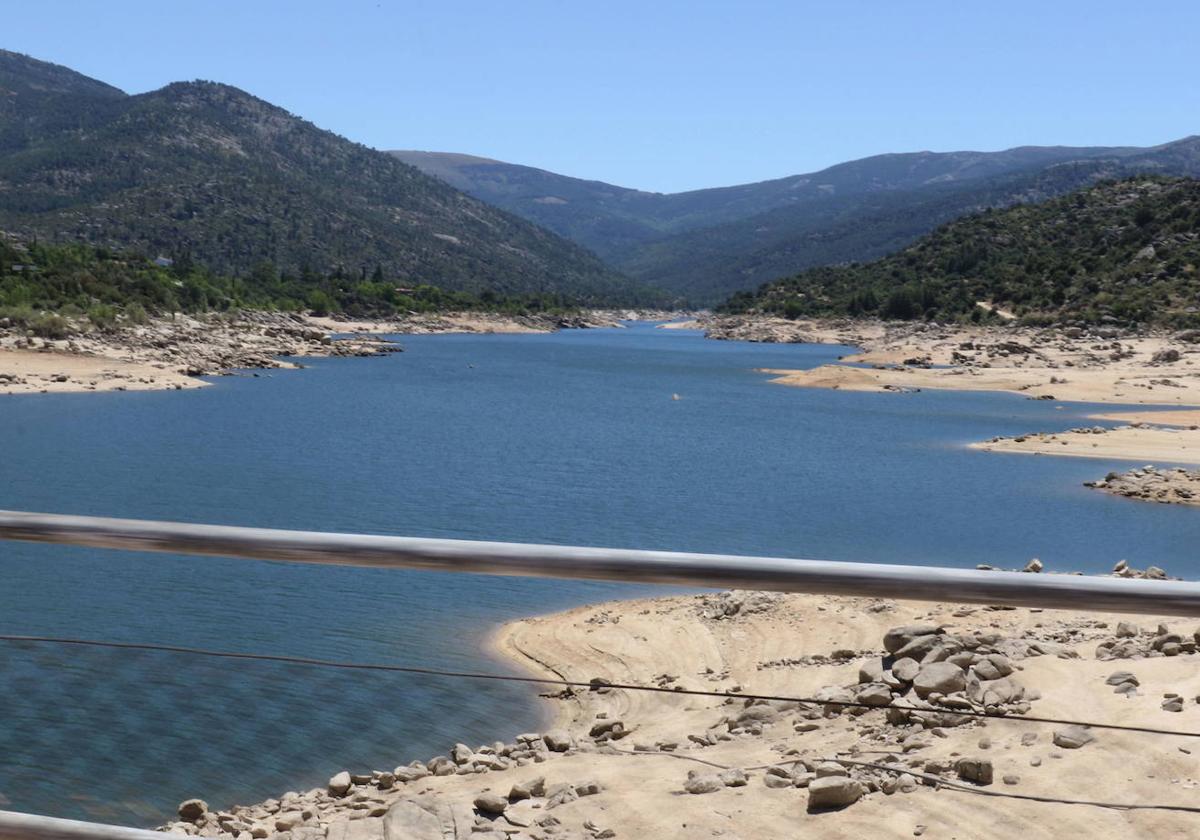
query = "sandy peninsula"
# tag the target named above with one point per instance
(631, 764)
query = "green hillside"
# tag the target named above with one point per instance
(1121, 252)
(206, 173)
(707, 244)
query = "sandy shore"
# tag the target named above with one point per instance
(618, 762)
(1147, 444)
(641, 641)
(1038, 364)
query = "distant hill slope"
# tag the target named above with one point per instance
(1125, 251)
(706, 244)
(209, 172)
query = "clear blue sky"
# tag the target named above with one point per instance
(659, 94)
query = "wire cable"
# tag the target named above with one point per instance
(589, 685)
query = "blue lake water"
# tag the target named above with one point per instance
(566, 438)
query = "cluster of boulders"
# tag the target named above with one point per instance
(206, 345)
(361, 796)
(1130, 641)
(938, 675)
(733, 603)
(1170, 486)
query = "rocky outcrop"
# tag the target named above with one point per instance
(1169, 486)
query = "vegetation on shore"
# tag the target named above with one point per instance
(1124, 252)
(42, 286)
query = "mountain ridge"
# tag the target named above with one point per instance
(208, 172)
(706, 244)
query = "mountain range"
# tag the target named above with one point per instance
(704, 245)
(211, 175)
(208, 172)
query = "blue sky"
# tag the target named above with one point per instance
(661, 95)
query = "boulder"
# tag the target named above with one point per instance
(490, 803)
(898, 637)
(833, 792)
(557, 740)
(874, 694)
(871, 671)
(339, 784)
(589, 788)
(192, 810)
(424, 818)
(994, 666)
(527, 790)
(942, 677)
(919, 647)
(1121, 677)
(977, 770)
(461, 753)
(906, 669)
(830, 768)
(698, 783)
(1072, 737)
(734, 777)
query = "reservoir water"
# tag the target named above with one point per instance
(567, 438)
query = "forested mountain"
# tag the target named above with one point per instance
(207, 173)
(706, 244)
(1120, 252)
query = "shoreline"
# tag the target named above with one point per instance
(172, 353)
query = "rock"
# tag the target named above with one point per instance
(192, 810)
(906, 669)
(875, 694)
(410, 774)
(589, 788)
(941, 677)
(833, 792)
(1011, 779)
(871, 671)
(977, 770)
(288, 820)
(340, 784)
(1173, 704)
(527, 790)
(1035, 565)
(461, 754)
(557, 740)
(560, 794)
(1119, 677)
(1072, 737)
(424, 818)
(734, 777)
(906, 783)
(772, 781)
(993, 667)
(898, 637)
(830, 768)
(490, 803)
(698, 783)
(919, 647)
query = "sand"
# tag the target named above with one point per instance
(638, 641)
(1147, 445)
(45, 372)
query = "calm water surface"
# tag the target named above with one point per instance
(565, 438)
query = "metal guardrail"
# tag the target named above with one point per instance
(14, 826)
(920, 583)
